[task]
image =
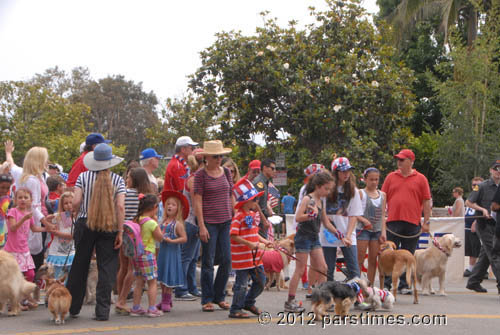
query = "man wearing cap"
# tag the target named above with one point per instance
(149, 161)
(261, 182)
(253, 170)
(483, 199)
(78, 167)
(177, 170)
(408, 194)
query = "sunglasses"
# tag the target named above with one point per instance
(401, 159)
(272, 168)
(217, 156)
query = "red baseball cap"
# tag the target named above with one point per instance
(406, 153)
(255, 164)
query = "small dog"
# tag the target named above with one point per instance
(275, 261)
(59, 299)
(344, 295)
(431, 262)
(396, 262)
(14, 288)
(91, 283)
(376, 298)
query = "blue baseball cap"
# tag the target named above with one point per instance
(149, 153)
(95, 138)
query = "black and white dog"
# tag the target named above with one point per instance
(343, 295)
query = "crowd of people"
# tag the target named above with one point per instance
(66, 220)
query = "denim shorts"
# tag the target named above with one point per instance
(366, 235)
(306, 243)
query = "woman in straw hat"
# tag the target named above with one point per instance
(213, 206)
(99, 199)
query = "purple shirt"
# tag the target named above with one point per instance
(216, 196)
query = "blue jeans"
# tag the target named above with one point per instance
(241, 298)
(190, 252)
(215, 291)
(350, 259)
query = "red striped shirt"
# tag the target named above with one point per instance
(216, 196)
(241, 255)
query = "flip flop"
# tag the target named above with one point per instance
(252, 309)
(122, 310)
(224, 305)
(239, 315)
(208, 307)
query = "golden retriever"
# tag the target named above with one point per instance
(396, 262)
(431, 262)
(14, 288)
(59, 299)
(275, 261)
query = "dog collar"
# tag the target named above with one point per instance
(355, 287)
(437, 245)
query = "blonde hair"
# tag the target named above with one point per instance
(34, 163)
(61, 200)
(178, 216)
(228, 163)
(101, 216)
(192, 163)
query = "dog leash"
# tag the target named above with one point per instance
(283, 250)
(65, 269)
(404, 236)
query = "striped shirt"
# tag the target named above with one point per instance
(131, 203)
(216, 196)
(86, 182)
(241, 255)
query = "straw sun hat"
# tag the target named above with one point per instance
(215, 148)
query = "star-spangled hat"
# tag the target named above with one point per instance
(244, 191)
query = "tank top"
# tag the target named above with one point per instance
(372, 211)
(311, 227)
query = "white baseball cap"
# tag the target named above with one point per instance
(185, 140)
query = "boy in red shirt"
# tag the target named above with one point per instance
(245, 254)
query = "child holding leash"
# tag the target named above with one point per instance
(310, 216)
(245, 254)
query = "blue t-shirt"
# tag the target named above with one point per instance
(288, 201)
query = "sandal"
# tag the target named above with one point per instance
(252, 309)
(208, 307)
(224, 305)
(239, 315)
(122, 310)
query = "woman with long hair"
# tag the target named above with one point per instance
(99, 200)
(343, 206)
(227, 162)
(137, 182)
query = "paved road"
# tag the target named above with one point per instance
(465, 313)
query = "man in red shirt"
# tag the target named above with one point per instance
(90, 142)
(408, 194)
(177, 169)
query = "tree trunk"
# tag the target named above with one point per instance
(471, 26)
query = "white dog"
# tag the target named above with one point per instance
(431, 262)
(375, 298)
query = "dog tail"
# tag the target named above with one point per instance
(411, 277)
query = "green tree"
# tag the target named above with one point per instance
(32, 115)
(331, 87)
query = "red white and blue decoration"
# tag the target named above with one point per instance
(341, 164)
(244, 191)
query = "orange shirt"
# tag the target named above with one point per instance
(241, 255)
(405, 196)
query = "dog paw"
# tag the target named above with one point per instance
(58, 322)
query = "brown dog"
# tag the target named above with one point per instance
(13, 288)
(396, 262)
(275, 261)
(59, 299)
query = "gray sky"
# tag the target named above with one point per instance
(153, 42)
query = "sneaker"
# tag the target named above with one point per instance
(186, 297)
(308, 296)
(196, 294)
(137, 312)
(476, 287)
(405, 291)
(153, 313)
(467, 273)
(293, 307)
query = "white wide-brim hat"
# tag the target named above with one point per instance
(215, 148)
(101, 158)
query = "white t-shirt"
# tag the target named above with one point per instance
(339, 214)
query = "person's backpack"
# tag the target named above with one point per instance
(132, 241)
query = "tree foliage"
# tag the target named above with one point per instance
(331, 87)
